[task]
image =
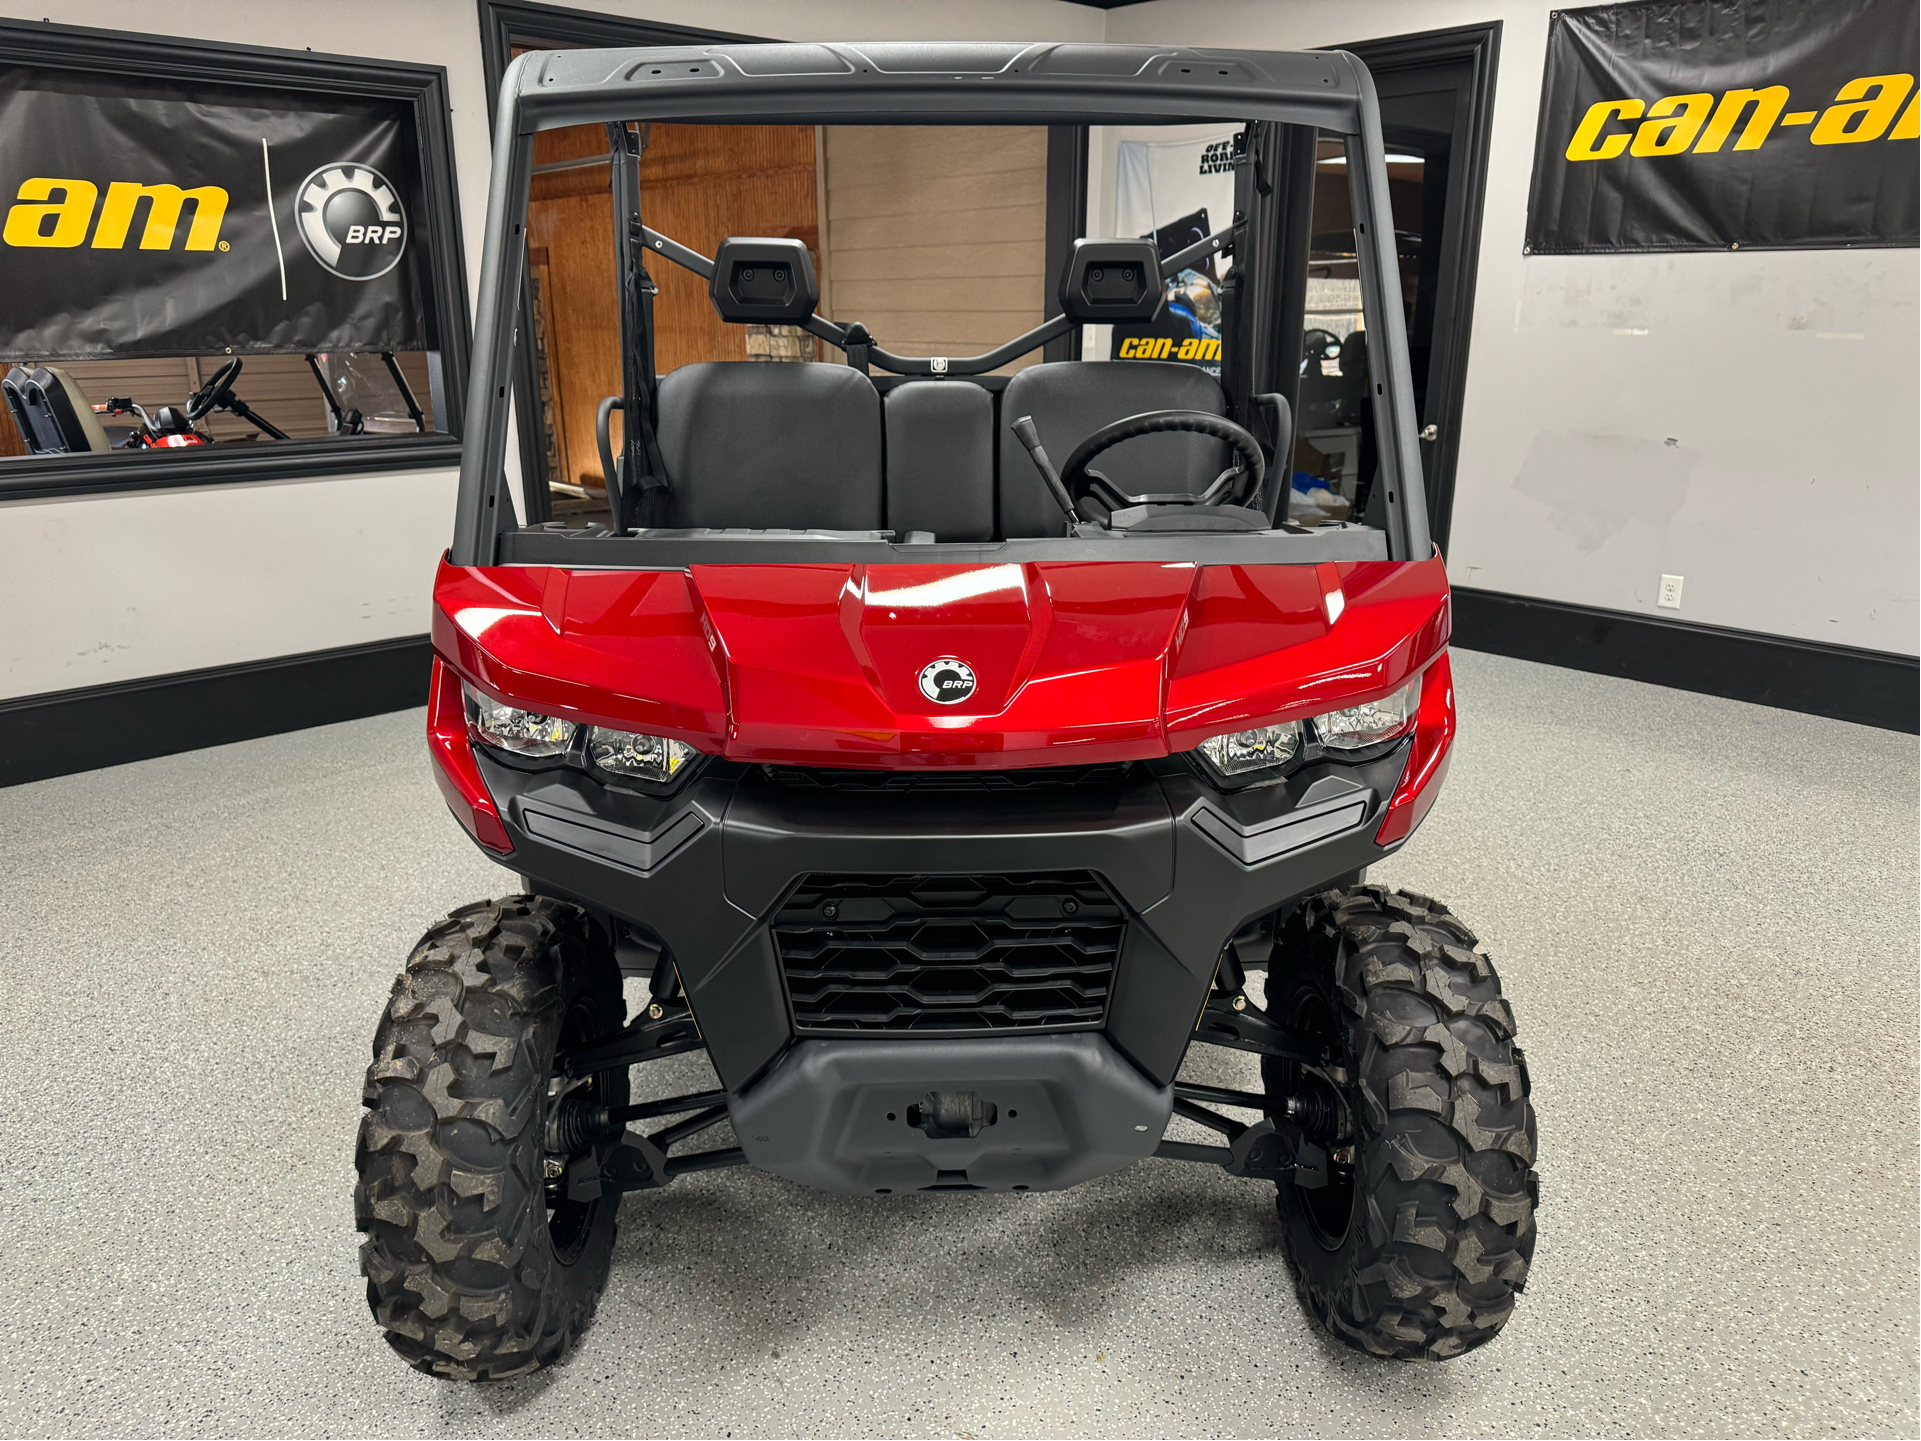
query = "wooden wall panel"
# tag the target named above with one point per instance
(936, 235)
(571, 219)
(699, 184)
(703, 183)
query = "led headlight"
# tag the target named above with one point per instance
(1244, 751)
(1361, 726)
(521, 731)
(652, 758)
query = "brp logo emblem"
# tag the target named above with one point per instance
(352, 220)
(947, 681)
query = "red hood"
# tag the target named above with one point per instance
(821, 664)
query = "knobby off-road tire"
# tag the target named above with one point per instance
(1420, 1241)
(472, 1271)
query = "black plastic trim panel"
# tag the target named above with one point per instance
(536, 547)
(713, 871)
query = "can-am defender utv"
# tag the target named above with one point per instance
(944, 794)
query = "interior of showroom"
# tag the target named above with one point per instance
(386, 372)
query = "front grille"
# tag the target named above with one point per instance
(923, 782)
(1025, 952)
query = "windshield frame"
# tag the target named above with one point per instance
(930, 84)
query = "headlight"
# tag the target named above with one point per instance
(1254, 750)
(652, 758)
(1361, 726)
(520, 731)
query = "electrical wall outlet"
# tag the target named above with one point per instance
(1670, 596)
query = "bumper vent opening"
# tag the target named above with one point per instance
(957, 781)
(1033, 951)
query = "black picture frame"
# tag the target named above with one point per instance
(424, 88)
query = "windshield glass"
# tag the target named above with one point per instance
(943, 333)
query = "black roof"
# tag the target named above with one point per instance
(936, 83)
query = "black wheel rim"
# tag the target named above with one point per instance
(570, 1223)
(1328, 1210)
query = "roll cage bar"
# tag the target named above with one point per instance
(843, 336)
(930, 84)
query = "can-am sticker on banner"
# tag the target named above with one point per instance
(1166, 190)
(1726, 125)
(1188, 326)
(141, 221)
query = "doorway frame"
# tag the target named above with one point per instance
(503, 25)
(1479, 46)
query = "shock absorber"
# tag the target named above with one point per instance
(576, 1125)
(1229, 978)
(1316, 1110)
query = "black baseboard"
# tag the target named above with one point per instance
(107, 725)
(1869, 687)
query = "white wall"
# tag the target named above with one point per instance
(1787, 382)
(1746, 421)
(117, 587)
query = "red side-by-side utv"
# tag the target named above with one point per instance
(944, 792)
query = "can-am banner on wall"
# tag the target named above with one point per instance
(140, 219)
(1727, 124)
(1165, 190)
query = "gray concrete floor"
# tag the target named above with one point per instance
(1704, 912)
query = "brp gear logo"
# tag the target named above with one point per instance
(352, 221)
(947, 681)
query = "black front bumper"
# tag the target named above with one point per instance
(706, 871)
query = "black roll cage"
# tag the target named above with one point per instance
(929, 84)
(1219, 243)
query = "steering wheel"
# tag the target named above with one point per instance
(1242, 479)
(214, 391)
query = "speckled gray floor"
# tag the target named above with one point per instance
(1704, 912)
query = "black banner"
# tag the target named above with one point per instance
(1728, 125)
(141, 220)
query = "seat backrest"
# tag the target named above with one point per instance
(940, 459)
(53, 412)
(1354, 357)
(771, 445)
(1071, 399)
